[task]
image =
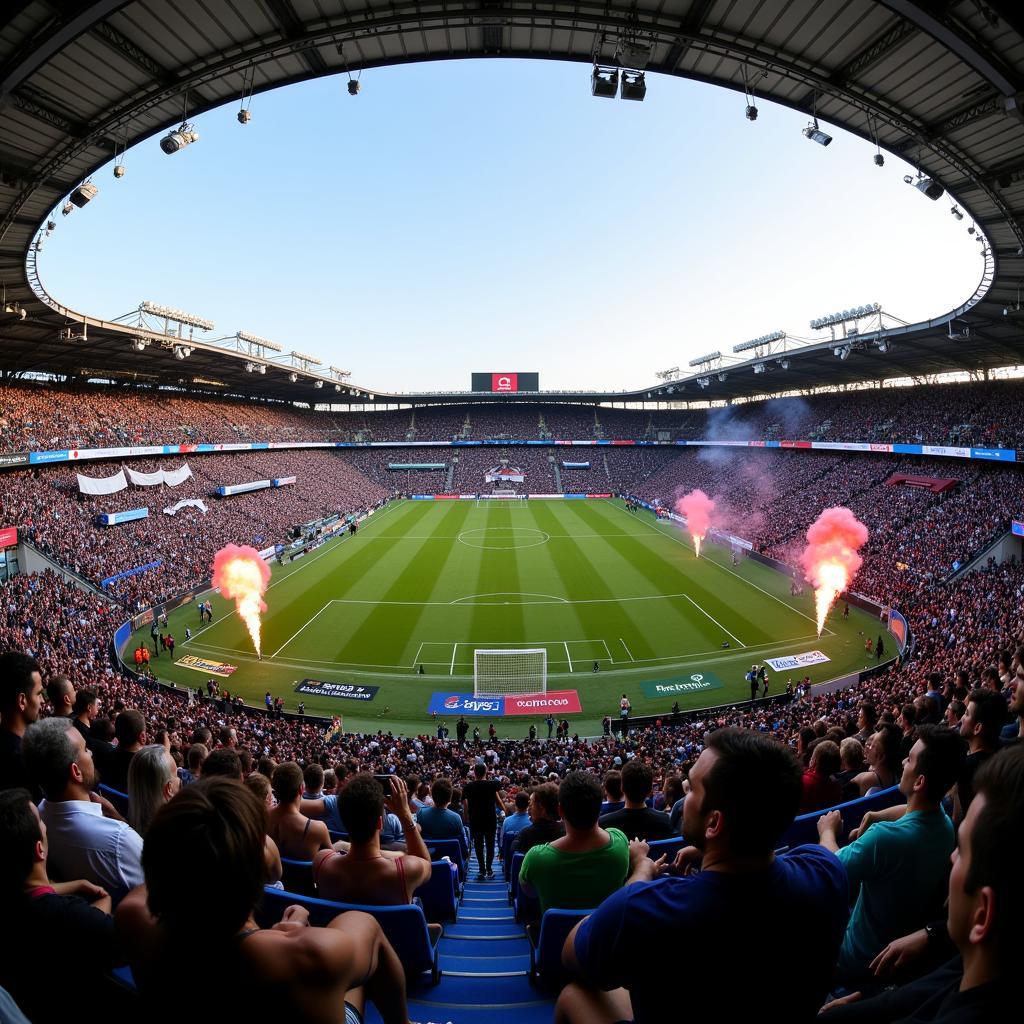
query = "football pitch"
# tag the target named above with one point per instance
(618, 600)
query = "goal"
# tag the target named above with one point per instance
(500, 672)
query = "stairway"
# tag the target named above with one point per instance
(485, 964)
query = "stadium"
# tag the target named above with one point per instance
(759, 618)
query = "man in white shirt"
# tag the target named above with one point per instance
(83, 841)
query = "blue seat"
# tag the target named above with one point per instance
(527, 908)
(438, 895)
(513, 878)
(668, 847)
(335, 836)
(450, 848)
(405, 927)
(507, 839)
(805, 827)
(546, 970)
(116, 797)
(297, 876)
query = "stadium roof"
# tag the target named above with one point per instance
(942, 84)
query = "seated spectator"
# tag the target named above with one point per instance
(514, 823)
(438, 822)
(545, 824)
(291, 972)
(636, 819)
(366, 873)
(985, 900)
(326, 809)
(313, 779)
(983, 718)
(260, 785)
(197, 754)
(851, 764)
(900, 866)
(152, 781)
(130, 731)
(60, 692)
(86, 712)
(819, 787)
(612, 793)
(83, 841)
(21, 701)
(745, 791)
(296, 836)
(39, 913)
(588, 863)
(882, 755)
(223, 761)
(1014, 732)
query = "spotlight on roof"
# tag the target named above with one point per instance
(68, 208)
(634, 85)
(884, 346)
(118, 170)
(723, 377)
(85, 193)
(337, 387)
(841, 351)
(244, 116)
(178, 138)
(760, 368)
(15, 309)
(879, 160)
(815, 134)
(182, 351)
(293, 377)
(353, 87)
(957, 213)
(751, 112)
(318, 383)
(926, 186)
(784, 363)
(604, 81)
(140, 344)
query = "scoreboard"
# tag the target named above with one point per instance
(506, 382)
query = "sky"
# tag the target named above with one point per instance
(494, 216)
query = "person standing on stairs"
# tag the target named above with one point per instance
(484, 799)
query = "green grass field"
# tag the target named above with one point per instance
(423, 583)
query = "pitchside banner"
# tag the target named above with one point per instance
(347, 691)
(696, 683)
(557, 701)
(210, 668)
(796, 661)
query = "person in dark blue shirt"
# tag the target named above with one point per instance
(727, 891)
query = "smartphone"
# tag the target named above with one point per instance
(385, 781)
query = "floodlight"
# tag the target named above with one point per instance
(784, 363)
(83, 194)
(353, 87)
(118, 170)
(140, 344)
(182, 351)
(957, 213)
(318, 383)
(722, 377)
(879, 160)
(929, 187)
(337, 387)
(244, 116)
(67, 208)
(841, 351)
(815, 134)
(178, 138)
(604, 81)
(884, 346)
(760, 368)
(634, 85)
(704, 382)
(293, 376)
(15, 309)
(751, 112)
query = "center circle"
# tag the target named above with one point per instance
(508, 538)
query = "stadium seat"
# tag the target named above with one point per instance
(506, 852)
(546, 969)
(513, 878)
(805, 827)
(297, 876)
(405, 926)
(338, 836)
(450, 848)
(116, 797)
(438, 895)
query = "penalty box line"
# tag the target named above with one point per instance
(513, 646)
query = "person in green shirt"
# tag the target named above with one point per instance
(588, 863)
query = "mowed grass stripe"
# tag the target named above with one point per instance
(499, 573)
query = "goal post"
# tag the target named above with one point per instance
(500, 672)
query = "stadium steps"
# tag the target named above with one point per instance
(485, 964)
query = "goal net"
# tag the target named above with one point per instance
(496, 673)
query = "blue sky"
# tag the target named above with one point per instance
(492, 215)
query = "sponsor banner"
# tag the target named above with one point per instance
(131, 572)
(269, 552)
(575, 497)
(465, 704)
(255, 485)
(952, 451)
(599, 495)
(995, 454)
(35, 458)
(898, 627)
(504, 381)
(1017, 528)
(282, 481)
(421, 497)
(907, 449)
(467, 497)
(576, 465)
(695, 683)
(795, 444)
(836, 446)
(210, 668)
(417, 465)
(550, 497)
(797, 661)
(142, 620)
(873, 447)
(563, 702)
(260, 445)
(112, 518)
(446, 497)
(14, 459)
(767, 444)
(346, 691)
(8, 537)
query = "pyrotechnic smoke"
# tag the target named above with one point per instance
(830, 559)
(242, 575)
(698, 509)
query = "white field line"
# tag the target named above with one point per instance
(715, 621)
(626, 649)
(676, 540)
(568, 655)
(451, 668)
(415, 661)
(301, 628)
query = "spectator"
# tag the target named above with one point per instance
(613, 800)
(297, 837)
(820, 789)
(60, 691)
(982, 721)
(83, 842)
(882, 755)
(585, 865)
(900, 865)
(313, 778)
(152, 781)
(636, 819)
(130, 732)
(851, 764)
(545, 822)
(438, 822)
(745, 791)
(197, 754)
(39, 912)
(483, 799)
(288, 972)
(517, 821)
(21, 700)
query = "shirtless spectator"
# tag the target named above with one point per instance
(297, 837)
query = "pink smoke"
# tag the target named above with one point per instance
(243, 576)
(831, 558)
(697, 508)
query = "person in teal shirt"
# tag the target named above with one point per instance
(438, 822)
(588, 863)
(901, 865)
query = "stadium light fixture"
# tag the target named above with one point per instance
(925, 185)
(604, 81)
(337, 387)
(177, 315)
(760, 368)
(784, 363)
(140, 344)
(83, 194)
(765, 339)
(68, 208)
(244, 116)
(884, 345)
(704, 382)
(832, 319)
(15, 309)
(723, 377)
(353, 87)
(634, 85)
(293, 376)
(957, 213)
(178, 138)
(182, 351)
(711, 357)
(255, 339)
(318, 383)
(815, 134)
(841, 351)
